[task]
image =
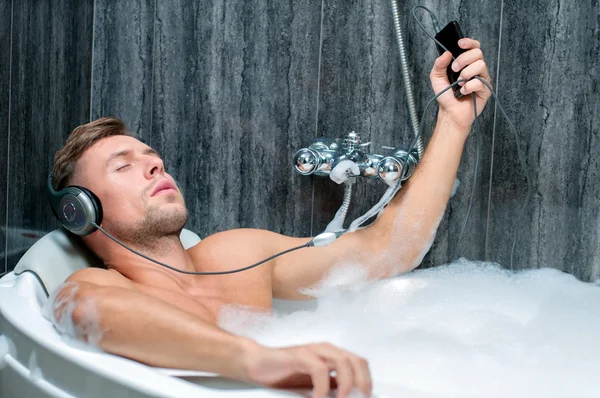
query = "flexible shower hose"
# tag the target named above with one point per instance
(346, 201)
(406, 77)
(337, 224)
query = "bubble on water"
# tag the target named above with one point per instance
(468, 329)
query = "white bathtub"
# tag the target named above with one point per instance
(35, 361)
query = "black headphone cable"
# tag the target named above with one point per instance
(320, 240)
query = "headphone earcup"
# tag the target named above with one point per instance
(77, 208)
(97, 205)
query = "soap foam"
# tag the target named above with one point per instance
(59, 309)
(467, 329)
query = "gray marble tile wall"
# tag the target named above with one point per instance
(5, 42)
(549, 83)
(227, 91)
(50, 94)
(362, 90)
(122, 67)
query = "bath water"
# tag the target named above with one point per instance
(467, 329)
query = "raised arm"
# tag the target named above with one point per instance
(399, 239)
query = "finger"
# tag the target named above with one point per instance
(475, 86)
(319, 373)
(344, 376)
(477, 68)
(355, 367)
(467, 43)
(300, 380)
(466, 59)
(339, 360)
(486, 88)
(439, 66)
(362, 375)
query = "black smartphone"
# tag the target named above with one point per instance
(449, 37)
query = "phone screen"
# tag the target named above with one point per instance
(449, 37)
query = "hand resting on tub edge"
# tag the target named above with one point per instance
(139, 310)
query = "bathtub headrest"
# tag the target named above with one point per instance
(58, 254)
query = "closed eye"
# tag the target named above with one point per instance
(122, 167)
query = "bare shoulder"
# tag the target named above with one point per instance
(234, 241)
(101, 277)
(236, 247)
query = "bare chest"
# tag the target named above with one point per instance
(252, 292)
(207, 296)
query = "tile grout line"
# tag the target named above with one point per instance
(148, 139)
(312, 201)
(12, 15)
(489, 204)
(92, 61)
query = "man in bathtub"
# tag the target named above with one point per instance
(154, 315)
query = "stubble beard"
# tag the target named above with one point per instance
(160, 225)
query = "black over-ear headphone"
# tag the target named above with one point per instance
(75, 207)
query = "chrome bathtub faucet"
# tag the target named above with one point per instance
(324, 154)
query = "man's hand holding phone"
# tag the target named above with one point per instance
(469, 63)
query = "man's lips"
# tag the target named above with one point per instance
(165, 191)
(164, 185)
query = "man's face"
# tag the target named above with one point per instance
(139, 199)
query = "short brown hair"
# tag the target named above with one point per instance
(80, 139)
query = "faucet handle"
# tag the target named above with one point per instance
(390, 169)
(307, 161)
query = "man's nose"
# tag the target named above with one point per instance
(155, 165)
